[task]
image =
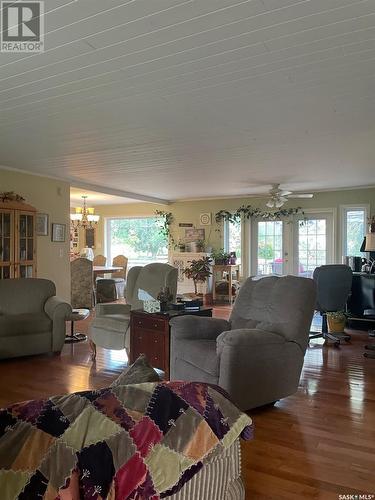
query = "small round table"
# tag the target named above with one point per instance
(77, 315)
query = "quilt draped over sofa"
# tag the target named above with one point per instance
(141, 441)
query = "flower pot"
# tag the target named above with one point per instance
(335, 325)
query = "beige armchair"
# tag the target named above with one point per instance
(256, 356)
(110, 326)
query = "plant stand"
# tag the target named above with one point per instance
(233, 271)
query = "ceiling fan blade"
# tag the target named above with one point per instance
(284, 192)
(301, 195)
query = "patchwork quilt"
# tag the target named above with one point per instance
(140, 441)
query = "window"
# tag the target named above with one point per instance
(233, 238)
(139, 239)
(353, 229)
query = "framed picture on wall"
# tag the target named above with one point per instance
(41, 224)
(58, 232)
(90, 237)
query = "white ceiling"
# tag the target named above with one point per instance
(192, 98)
(95, 198)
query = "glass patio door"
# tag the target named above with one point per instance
(268, 249)
(313, 243)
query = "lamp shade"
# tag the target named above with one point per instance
(370, 242)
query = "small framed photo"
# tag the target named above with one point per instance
(58, 232)
(41, 224)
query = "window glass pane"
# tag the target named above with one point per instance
(139, 239)
(22, 228)
(30, 249)
(6, 225)
(355, 229)
(22, 255)
(5, 254)
(312, 249)
(30, 226)
(234, 239)
(270, 259)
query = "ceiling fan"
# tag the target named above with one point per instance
(280, 196)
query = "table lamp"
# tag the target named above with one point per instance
(370, 246)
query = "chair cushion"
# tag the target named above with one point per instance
(139, 372)
(202, 354)
(113, 322)
(21, 324)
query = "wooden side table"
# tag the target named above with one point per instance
(230, 269)
(150, 335)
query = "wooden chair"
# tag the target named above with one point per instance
(82, 284)
(120, 276)
(99, 260)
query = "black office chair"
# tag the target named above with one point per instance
(333, 284)
(370, 314)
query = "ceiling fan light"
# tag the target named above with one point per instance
(279, 203)
(270, 204)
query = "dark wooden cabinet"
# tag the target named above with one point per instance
(361, 298)
(150, 335)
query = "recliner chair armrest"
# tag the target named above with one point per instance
(57, 308)
(104, 309)
(197, 327)
(245, 337)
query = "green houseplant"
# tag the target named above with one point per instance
(336, 321)
(199, 271)
(220, 257)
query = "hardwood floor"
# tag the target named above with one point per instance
(318, 443)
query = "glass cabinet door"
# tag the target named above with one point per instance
(6, 244)
(25, 251)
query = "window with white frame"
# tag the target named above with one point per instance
(138, 238)
(353, 229)
(233, 238)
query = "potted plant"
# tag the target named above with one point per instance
(199, 271)
(220, 257)
(336, 321)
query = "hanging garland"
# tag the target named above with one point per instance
(164, 223)
(247, 211)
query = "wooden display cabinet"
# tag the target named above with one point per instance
(17, 240)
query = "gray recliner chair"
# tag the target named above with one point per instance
(32, 318)
(256, 356)
(109, 329)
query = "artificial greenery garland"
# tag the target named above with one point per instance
(247, 211)
(166, 220)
